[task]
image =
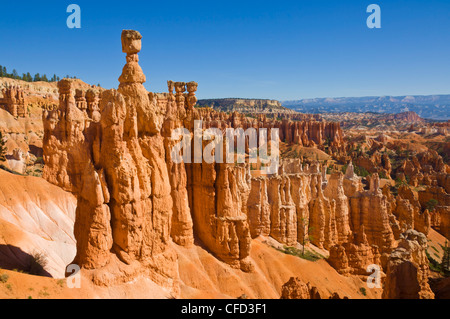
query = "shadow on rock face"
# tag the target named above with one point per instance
(10, 157)
(36, 151)
(14, 258)
(441, 287)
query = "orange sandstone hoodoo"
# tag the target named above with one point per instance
(113, 152)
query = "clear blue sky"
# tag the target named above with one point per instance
(256, 49)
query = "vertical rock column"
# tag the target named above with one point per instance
(258, 208)
(322, 216)
(335, 191)
(218, 199)
(283, 213)
(68, 152)
(133, 158)
(182, 226)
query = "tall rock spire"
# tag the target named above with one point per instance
(131, 45)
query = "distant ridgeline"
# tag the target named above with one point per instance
(435, 107)
(28, 77)
(245, 105)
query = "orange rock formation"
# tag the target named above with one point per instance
(13, 101)
(407, 270)
(113, 153)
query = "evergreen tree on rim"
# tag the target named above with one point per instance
(2, 148)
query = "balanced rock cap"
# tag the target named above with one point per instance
(131, 41)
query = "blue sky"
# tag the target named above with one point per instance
(255, 49)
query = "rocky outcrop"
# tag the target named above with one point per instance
(352, 183)
(445, 223)
(295, 288)
(436, 203)
(370, 209)
(408, 211)
(17, 161)
(13, 101)
(354, 257)
(407, 270)
(370, 235)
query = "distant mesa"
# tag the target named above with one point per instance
(408, 117)
(245, 105)
(435, 107)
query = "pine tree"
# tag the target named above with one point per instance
(5, 72)
(2, 148)
(15, 75)
(445, 264)
(44, 78)
(37, 77)
(1, 71)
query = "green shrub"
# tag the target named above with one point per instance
(434, 265)
(431, 204)
(344, 168)
(3, 167)
(361, 171)
(4, 278)
(382, 175)
(363, 291)
(308, 255)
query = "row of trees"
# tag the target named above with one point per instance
(28, 77)
(2, 148)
